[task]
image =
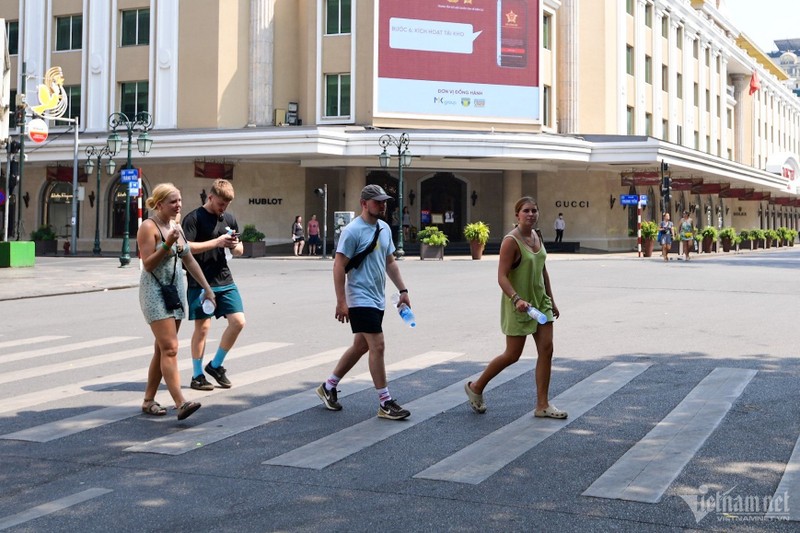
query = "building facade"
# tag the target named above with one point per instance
(574, 103)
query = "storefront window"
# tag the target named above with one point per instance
(118, 195)
(58, 208)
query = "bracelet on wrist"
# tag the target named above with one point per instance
(515, 298)
(401, 291)
(165, 246)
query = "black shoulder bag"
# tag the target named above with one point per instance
(172, 300)
(357, 259)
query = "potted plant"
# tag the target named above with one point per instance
(770, 237)
(727, 237)
(783, 236)
(45, 240)
(792, 236)
(253, 242)
(477, 233)
(649, 235)
(432, 243)
(709, 237)
(756, 235)
(744, 235)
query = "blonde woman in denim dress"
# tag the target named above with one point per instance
(523, 278)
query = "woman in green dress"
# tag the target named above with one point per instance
(686, 229)
(523, 278)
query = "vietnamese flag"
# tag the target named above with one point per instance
(755, 83)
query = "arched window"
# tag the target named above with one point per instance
(57, 210)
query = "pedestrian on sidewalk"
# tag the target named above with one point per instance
(560, 225)
(523, 278)
(212, 232)
(364, 257)
(164, 250)
(666, 230)
(313, 235)
(298, 237)
(686, 230)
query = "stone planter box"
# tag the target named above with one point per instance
(46, 247)
(254, 249)
(431, 252)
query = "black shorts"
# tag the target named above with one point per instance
(366, 320)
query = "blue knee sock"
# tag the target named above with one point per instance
(219, 357)
(197, 367)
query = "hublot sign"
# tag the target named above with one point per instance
(265, 201)
(572, 203)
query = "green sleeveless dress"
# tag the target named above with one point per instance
(528, 281)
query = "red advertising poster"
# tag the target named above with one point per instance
(476, 59)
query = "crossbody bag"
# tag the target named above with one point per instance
(357, 259)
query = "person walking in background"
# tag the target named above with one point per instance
(666, 230)
(164, 250)
(686, 230)
(297, 235)
(313, 235)
(406, 223)
(360, 300)
(208, 229)
(560, 225)
(523, 278)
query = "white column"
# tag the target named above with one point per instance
(740, 82)
(164, 66)
(622, 75)
(723, 112)
(688, 89)
(715, 90)
(638, 78)
(658, 100)
(673, 81)
(701, 93)
(568, 71)
(34, 38)
(262, 42)
(98, 44)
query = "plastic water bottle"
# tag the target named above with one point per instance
(537, 315)
(405, 311)
(208, 305)
(228, 254)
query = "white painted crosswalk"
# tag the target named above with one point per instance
(644, 473)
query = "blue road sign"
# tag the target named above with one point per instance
(2, 197)
(628, 199)
(128, 175)
(643, 199)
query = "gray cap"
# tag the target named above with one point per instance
(374, 192)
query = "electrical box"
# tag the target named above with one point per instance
(280, 117)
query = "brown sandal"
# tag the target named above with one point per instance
(153, 408)
(186, 410)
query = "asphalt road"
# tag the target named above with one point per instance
(682, 381)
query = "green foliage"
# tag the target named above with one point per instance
(728, 233)
(744, 235)
(432, 236)
(783, 233)
(477, 231)
(44, 233)
(649, 229)
(709, 232)
(792, 235)
(251, 234)
(756, 234)
(771, 235)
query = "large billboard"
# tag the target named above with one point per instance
(458, 59)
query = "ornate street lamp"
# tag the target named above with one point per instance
(403, 160)
(111, 166)
(142, 122)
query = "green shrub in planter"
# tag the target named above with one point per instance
(477, 231)
(649, 230)
(44, 233)
(251, 234)
(757, 234)
(709, 232)
(432, 236)
(728, 233)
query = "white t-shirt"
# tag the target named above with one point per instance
(560, 223)
(366, 285)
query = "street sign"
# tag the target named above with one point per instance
(2, 197)
(37, 130)
(628, 199)
(133, 188)
(129, 175)
(643, 199)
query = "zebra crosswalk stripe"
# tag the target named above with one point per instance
(789, 485)
(51, 507)
(645, 472)
(336, 446)
(30, 340)
(107, 415)
(483, 458)
(228, 426)
(30, 354)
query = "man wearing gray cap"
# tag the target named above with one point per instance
(363, 259)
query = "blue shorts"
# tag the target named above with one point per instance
(228, 302)
(365, 319)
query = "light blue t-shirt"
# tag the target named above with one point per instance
(366, 285)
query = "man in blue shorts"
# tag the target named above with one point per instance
(360, 297)
(207, 230)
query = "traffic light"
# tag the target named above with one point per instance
(319, 192)
(13, 177)
(666, 182)
(12, 147)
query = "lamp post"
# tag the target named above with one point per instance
(403, 160)
(111, 166)
(142, 122)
